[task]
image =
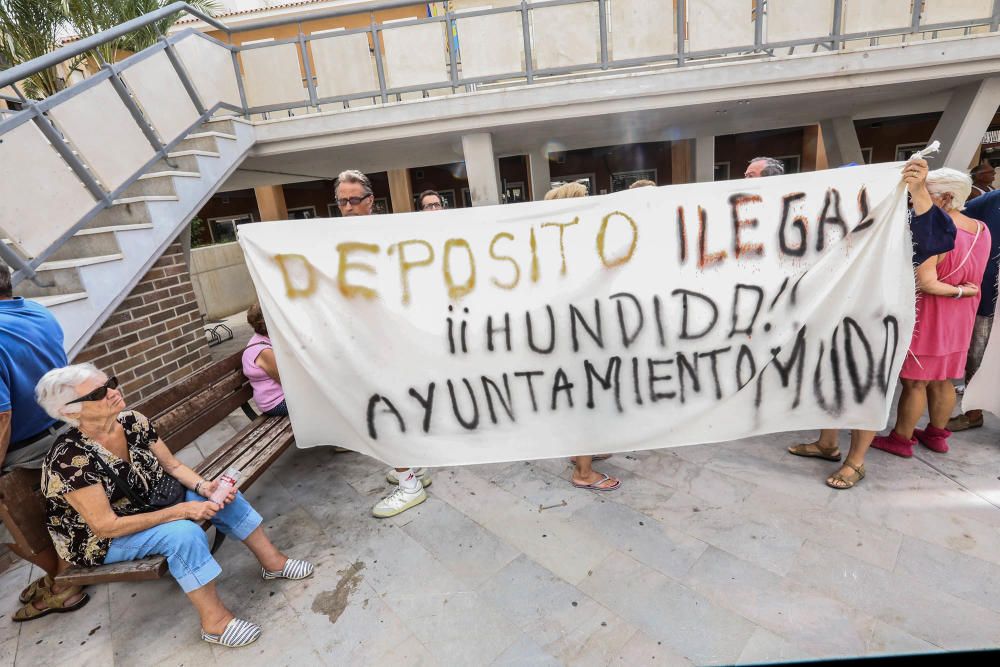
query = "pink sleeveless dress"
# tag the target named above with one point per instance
(943, 331)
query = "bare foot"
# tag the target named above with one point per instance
(596, 480)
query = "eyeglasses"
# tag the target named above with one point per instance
(99, 393)
(353, 201)
(433, 206)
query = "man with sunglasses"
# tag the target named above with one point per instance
(31, 344)
(354, 197)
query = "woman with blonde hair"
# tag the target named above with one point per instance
(584, 476)
(948, 286)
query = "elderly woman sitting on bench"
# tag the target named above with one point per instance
(115, 493)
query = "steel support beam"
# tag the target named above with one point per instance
(964, 122)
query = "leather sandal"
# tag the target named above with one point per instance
(55, 603)
(814, 451)
(848, 481)
(35, 588)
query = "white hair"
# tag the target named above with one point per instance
(353, 176)
(950, 181)
(58, 387)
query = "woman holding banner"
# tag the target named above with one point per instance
(933, 233)
(946, 312)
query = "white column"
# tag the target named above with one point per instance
(481, 167)
(704, 159)
(840, 141)
(964, 122)
(538, 171)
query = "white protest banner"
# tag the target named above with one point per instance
(648, 318)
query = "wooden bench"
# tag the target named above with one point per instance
(181, 413)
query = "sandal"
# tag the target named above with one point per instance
(600, 484)
(55, 603)
(237, 633)
(850, 480)
(812, 450)
(36, 587)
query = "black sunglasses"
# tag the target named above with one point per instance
(354, 201)
(99, 393)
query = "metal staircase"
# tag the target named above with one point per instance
(89, 275)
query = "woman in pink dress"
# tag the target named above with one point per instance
(261, 369)
(948, 297)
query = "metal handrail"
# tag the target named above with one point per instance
(78, 48)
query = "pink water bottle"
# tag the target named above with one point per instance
(227, 481)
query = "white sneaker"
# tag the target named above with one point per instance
(393, 477)
(398, 502)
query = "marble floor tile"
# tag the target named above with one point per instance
(80, 637)
(898, 599)
(541, 488)
(965, 577)
(445, 623)
(525, 653)
(642, 649)
(690, 624)
(409, 652)
(765, 646)
(466, 549)
(555, 615)
(647, 540)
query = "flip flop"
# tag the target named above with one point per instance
(594, 457)
(54, 604)
(596, 486)
(815, 453)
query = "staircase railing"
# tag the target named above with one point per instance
(128, 123)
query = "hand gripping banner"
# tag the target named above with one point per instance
(648, 318)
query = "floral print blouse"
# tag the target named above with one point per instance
(70, 466)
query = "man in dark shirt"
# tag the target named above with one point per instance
(985, 208)
(933, 233)
(31, 344)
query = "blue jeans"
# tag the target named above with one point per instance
(184, 543)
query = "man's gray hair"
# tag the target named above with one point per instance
(6, 287)
(353, 176)
(58, 387)
(950, 181)
(772, 167)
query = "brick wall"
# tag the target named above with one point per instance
(155, 337)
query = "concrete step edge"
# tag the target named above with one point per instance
(211, 133)
(56, 299)
(76, 263)
(87, 231)
(132, 200)
(194, 151)
(168, 174)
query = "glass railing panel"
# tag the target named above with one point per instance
(107, 137)
(40, 197)
(719, 24)
(415, 55)
(641, 29)
(165, 102)
(565, 36)
(329, 56)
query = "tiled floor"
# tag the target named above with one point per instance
(706, 555)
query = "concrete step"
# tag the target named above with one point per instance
(157, 183)
(135, 213)
(59, 265)
(185, 163)
(95, 243)
(227, 125)
(64, 281)
(205, 141)
(56, 299)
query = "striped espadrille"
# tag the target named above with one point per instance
(294, 569)
(237, 633)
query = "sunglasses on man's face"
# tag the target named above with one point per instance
(98, 394)
(353, 201)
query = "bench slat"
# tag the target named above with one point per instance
(178, 393)
(145, 569)
(241, 459)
